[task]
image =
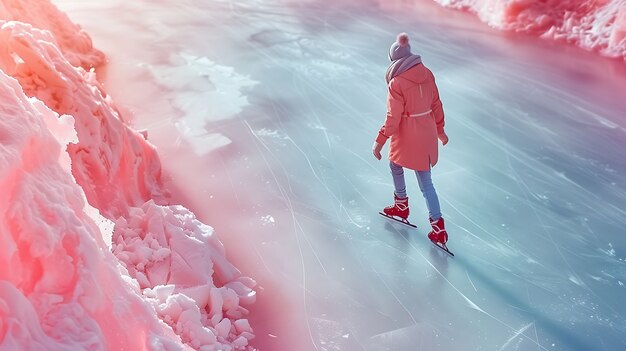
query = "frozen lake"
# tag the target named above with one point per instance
(264, 113)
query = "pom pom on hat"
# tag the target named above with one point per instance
(400, 48)
(403, 39)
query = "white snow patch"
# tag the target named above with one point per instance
(576, 280)
(268, 220)
(610, 251)
(206, 92)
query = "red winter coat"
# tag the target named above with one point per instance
(414, 119)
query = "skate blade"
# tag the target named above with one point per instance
(403, 221)
(443, 247)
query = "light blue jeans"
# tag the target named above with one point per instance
(426, 186)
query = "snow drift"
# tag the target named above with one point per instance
(60, 288)
(75, 44)
(113, 164)
(167, 285)
(593, 25)
(174, 258)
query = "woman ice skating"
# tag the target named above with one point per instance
(414, 122)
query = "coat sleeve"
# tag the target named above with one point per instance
(437, 108)
(395, 109)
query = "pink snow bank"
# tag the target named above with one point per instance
(598, 25)
(165, 284)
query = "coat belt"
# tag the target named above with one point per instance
(419, 114)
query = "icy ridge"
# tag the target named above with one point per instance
(175, 259)
(60, 287)
(593, 25)
(73, 41)
(171, 286)
(114, 164)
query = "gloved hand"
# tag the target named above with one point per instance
(376, 148)
(443, 137)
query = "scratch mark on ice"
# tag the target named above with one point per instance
(470, 303)
(394, 295)
(518, 333)
(295, 222)
(470, 280)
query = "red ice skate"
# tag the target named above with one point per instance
(399, 211)
(438, 235)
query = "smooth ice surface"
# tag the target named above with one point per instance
(531, 183)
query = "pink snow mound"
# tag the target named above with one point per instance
(42, 14)
(594, 25)
(178, 261)
(114, 164)
(60, 286)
